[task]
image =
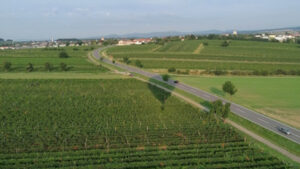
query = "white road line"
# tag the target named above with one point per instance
(263, 120)
(295, 135)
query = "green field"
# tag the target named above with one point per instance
(116, 123)
(77, 61)
(244, 56)
(277, 97)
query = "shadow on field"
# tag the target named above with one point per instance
(217, 91)
(160, 94)
(206, 104)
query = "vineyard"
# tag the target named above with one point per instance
(118, 123)
(246, 56)
(76, 62)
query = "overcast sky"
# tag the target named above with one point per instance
(42, 19)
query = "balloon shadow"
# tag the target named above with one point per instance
(160, 94)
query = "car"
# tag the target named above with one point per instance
(176, 81)
(284, 130)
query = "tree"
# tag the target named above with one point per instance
(219, 109)
(138, 63)
(29, 67)
(48, 66)
(63, 66)
(126, 59)
(165, 77)
(63, 55)
(226, 110)
(172, 69)
(228, 87)
(7, 66)
(225, 43)
(80, 43)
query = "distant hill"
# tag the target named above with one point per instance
(176, 33)
(1, 40)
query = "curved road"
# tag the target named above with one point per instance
(239, 110)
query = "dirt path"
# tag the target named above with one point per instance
(199, 49)
(244, 130)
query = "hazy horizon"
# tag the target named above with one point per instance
(33, 19)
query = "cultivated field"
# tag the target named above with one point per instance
(117, 123)
(277, 97)
(240, 57)
(77, 61)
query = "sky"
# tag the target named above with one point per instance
(43, 19)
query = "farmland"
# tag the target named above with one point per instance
(76, 62)
(114, 123)
(276, 97)
(248, 57)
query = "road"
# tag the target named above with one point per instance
(257, 118)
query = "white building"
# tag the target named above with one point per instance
(134, 42)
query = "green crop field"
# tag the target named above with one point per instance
(277, 97)
(77, 61)
(114, 123)
(245, 56)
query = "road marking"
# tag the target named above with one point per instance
(263, 120)
(240, 110)
(295, 135)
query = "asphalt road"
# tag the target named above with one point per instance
(239, 110)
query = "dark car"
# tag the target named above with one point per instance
(176, 81)
(284, 130)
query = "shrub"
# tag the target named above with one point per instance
(256, 72)
(138, 63)
(220, 72)
(280, 72)
(29, 67)
(63, 55)
(113, 61)
(172, 69)
(7, 66)
(228, 87)
(48, 66)
(63, 67)
(165, 77)
(225, 43)
(205, 43)
(126, 59)
(264, 73)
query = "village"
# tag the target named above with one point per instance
(10, 44)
